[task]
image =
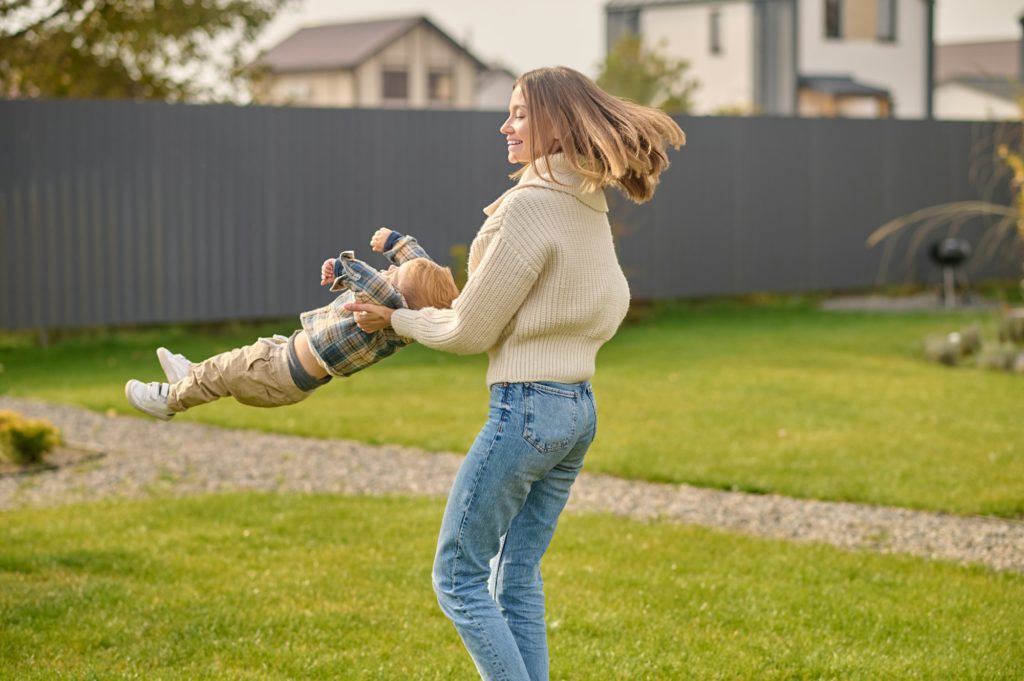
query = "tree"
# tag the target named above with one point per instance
(647, 76)
(128, 49)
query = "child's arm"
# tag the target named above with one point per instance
(396, 247)
(364, 281)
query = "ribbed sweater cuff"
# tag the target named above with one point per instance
(403, 322)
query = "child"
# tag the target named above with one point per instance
(277, 371)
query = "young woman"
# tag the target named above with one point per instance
(545, 291)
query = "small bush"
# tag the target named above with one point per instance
(942, 349)
(1011, 329)
(1005, 355)
(998, 356)
(25, 441)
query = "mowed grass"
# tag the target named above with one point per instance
(775, 396)
(329, 587)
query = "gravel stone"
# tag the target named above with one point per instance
(142, 457)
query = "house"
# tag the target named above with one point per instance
(978, 80)
(404, 63)
(859, 58)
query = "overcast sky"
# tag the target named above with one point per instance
(527, 34)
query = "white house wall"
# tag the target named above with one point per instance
(417, 52)
(726, 79)
(953, 101)
(898, 67)
(312, 89)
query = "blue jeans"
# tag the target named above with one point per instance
(501, 514)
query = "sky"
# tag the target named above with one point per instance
(527, 34)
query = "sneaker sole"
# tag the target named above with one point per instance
(128, 396)
(169, 369)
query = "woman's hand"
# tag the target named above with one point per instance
(327, 272)
(370, 318)
(379, 238)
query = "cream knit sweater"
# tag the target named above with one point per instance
(545, 289)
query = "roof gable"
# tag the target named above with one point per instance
(347, 45)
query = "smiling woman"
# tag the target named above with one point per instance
(517, 130)
(545, 292)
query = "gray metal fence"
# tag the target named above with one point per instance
(128, 213)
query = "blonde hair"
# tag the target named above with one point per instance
(606, 139)
(427, 284)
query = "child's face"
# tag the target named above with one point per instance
(396, 276)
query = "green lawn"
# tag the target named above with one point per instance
(773, 397)
(250, 586)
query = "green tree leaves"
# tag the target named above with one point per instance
(647, 76)
(129, 49)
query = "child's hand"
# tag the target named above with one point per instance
(379, 238)
(327, 272)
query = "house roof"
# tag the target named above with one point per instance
(630, 4)
(991, 59)
(342, 46)
(1000, 88)
(843, 86)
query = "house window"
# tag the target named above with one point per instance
(716, 32)
(439, 86)
(833, 16)
(887, 20)
(396, 84)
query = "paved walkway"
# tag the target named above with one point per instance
(141, 457)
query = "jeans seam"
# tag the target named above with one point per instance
(462, 526)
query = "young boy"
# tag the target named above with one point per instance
(277, 371)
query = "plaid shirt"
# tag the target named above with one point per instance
(332, 331)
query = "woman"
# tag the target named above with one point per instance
(545, 291)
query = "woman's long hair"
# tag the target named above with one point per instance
(607, 140)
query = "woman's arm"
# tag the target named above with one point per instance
(492, 296)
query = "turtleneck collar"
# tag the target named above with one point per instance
(540, 174)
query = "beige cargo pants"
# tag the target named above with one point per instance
(256, 375)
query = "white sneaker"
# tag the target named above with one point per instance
(149, 398)
(175, 366)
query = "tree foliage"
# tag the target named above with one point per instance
(647, 76)
(129, 49)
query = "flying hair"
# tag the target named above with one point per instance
(608, 140)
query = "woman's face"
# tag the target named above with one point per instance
(516, 129)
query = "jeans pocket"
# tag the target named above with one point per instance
(550, 416)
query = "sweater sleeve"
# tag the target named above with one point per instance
(493, 294)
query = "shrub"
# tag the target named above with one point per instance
(25, 441)
(1011, 329)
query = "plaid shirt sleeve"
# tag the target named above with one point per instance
(367, 284)
(406, 249)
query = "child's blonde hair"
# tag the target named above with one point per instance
(606, 139)
(427, 284)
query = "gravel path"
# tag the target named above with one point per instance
(144, 456)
